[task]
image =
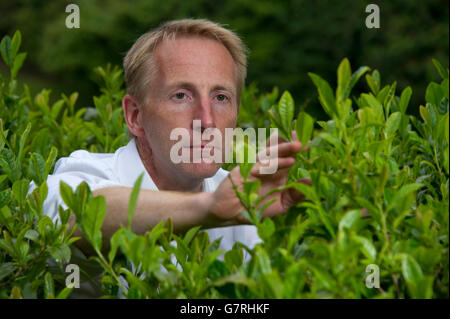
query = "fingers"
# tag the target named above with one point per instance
(280, 150)
(277, 156)
(277, 139)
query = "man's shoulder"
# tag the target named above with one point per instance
(82, 159)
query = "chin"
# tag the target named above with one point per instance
(201, 170)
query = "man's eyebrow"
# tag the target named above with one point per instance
(224, 88)
(190, 86)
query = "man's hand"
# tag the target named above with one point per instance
(225, 205)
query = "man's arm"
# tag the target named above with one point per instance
(185, 209)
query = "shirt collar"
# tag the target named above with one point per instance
(129, 166)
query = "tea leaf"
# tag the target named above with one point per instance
(443, 73)
(286, 111)
(343, 75)
(133, 199)
(326, 96)
(304, 127)
(49, 286)
(93, 219)
(404, 99)
(393, 123)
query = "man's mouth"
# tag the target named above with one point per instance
(203, 146)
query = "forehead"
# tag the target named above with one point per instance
(195, 59)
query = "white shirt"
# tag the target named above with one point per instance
(122, 168)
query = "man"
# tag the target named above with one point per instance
(183, 71)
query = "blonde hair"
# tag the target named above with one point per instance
(139, 65)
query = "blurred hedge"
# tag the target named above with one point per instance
(287, 39)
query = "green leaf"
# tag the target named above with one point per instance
(372, 102)
(343, 74)
(6, 247)
(389, 97)
(49, 286)
(354, 79)
(50, 160)
(286, 111)
(367, 248)
(6, 269)
(93, 219)
(56, 108)
(349, 219)
(61, 253)
(5, 50)
(307, 190)
(19, 190)
(266, 229)
(263, 261)
(433, 116)
(15, 44)
(326, 96)
(411, 269)
(5, 197)
(190, 234)
(404, 191)
(18, 62)
(238, 278)
(326, 221)
(304, 128)
(404, 99)
(8, 163)
(37, 168)
(334, 142)
(63, 294)
(443, 73)
(23, 139)
(434, 93)
(115, 243)
(67, 195)
(32, 235)
(393, 123)
(442, 129)
(133, 199)
(251, 186)
(323, 275)
(374, 81)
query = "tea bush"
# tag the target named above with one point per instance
(379, 197)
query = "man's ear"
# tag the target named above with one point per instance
(131, 111)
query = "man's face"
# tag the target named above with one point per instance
(194, 80)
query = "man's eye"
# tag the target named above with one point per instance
(221, 97)
(180, 95)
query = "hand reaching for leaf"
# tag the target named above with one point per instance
(227, 206)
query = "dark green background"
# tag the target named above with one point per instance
(287, 39)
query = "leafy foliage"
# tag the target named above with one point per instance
(379, 194)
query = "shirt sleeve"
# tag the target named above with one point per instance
(73, 170)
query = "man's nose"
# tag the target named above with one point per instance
(204, 113)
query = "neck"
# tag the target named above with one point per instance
(165, 177)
